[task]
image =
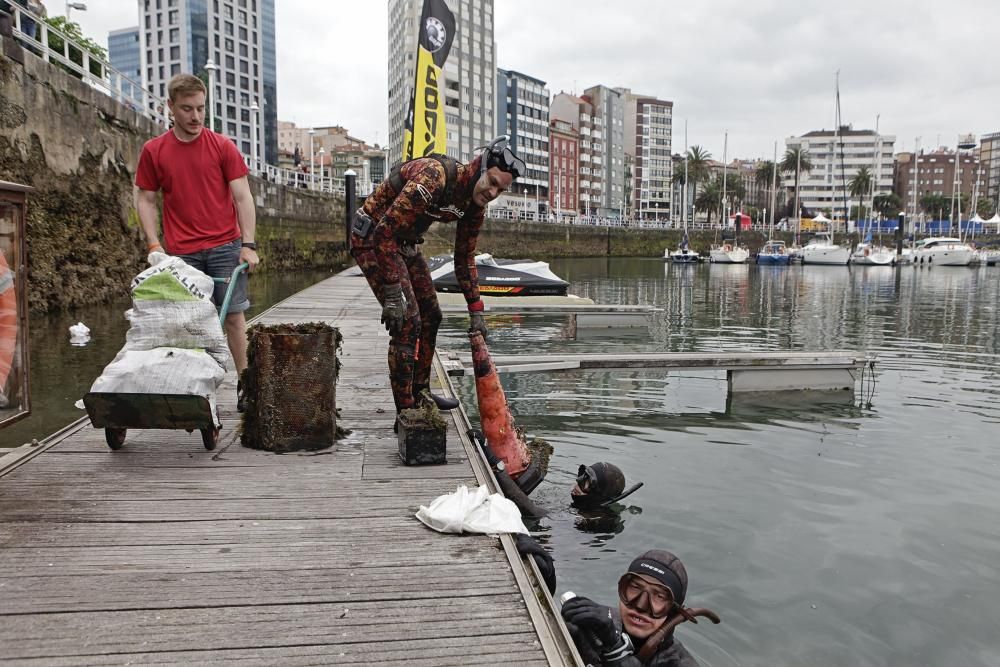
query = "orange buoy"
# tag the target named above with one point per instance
(8, 321)
(502, 435)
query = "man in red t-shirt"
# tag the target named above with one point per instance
(209, 218)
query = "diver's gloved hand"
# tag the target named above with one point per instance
(529, 546)
(393, 308)
(476, 323)
(596, 620)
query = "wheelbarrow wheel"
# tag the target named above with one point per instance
(210, 437)
(115, 437)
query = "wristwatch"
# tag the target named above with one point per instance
(252, 246)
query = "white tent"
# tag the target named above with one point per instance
(821, 218)
(996, 220)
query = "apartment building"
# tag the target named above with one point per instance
(578, 114)
(181, 36)
(523, 114)
(609, 109)
(125, 55)
(936, 175)
(648, 134)
(989, 157)
(468, 79)
(823, 187)
(564, 158)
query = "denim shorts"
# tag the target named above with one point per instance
(220, 262)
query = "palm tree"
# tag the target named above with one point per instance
(764, 175)
(888, 205)
(697, 170)
(795, 160)
(709, 199)
(859, 186)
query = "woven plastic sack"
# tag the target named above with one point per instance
(165, 370)
(172, 307)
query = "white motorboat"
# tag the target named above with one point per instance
(683, 254)
(868, 254)
(942, 251)
(822, 250)
(729, 253)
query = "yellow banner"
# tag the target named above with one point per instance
(429, 134)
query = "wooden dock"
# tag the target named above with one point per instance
(165, 553)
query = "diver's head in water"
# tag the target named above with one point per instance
(597, 484)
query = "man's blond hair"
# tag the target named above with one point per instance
(182, 85)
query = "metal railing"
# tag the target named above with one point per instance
(93, 71)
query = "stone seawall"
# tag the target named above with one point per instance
(79, 148)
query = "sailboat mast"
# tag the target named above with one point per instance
(916, 182)
(774, 188)
(876, 172)
(684, 216)
(723, 209)
(798, 177)
(843, 178)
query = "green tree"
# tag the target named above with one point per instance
(709, 199)
(986, 208)
(936, 206)
(888, 205)
(795, 160)
(859, 186)
(72, 51)
(764, 175)
(697, 169)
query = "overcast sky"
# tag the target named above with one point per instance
(763, 70)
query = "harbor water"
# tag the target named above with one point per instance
(824, 528)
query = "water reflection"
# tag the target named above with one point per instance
(821, 531)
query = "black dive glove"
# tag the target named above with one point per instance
(476, 323)
(393, 308)
(596, 621)
(529, 546)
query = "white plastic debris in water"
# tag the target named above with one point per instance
(79, 334)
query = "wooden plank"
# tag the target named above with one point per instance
(258, 626)
(164, 553)
(24, 594)
(505, 649)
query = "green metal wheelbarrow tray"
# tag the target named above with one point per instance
(118, 412)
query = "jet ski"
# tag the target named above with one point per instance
(500, 277)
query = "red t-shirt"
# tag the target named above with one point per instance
(198, 208)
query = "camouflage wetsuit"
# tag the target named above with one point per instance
(388, 254)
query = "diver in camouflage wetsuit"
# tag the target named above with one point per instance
(385, 237)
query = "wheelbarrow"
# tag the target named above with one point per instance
(118, 412)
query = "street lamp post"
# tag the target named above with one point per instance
(79, 6)
(211, 68)
(321, 152)
(312, 161)
(254, 108)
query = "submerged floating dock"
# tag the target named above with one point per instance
(164, 552)
(746, 371)
(585, 313)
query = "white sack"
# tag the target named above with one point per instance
(472, 512)
(165, 370)
(196, 282)
(172, 307)
(187, 324)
